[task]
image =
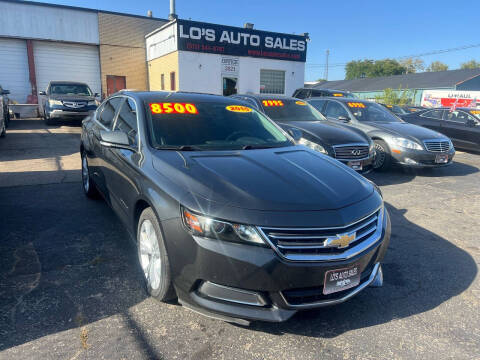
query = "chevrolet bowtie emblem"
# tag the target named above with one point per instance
(340, 241)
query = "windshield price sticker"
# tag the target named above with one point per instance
(173, 108)
(272, 103)
(338, 95)
(303, 103)
(356, 105)
(475, 112)
(239, 108)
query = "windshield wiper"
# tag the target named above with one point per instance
(259, 146)
(180, 148)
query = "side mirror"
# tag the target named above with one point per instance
(5, 92)
(96, 95)
(115, 139)
(344, 119)
(295, 133)
(42, 93)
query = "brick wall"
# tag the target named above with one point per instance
(163, 65)
(122, 48)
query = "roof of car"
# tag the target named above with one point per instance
(179, 96)
(268, 96)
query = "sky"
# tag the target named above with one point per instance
(351, 30)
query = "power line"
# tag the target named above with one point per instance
(435, 52)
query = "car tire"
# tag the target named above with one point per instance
(153, 258)
(88, 184)
(3, 132)
(7, 118)
(383, 158)
(48, 120)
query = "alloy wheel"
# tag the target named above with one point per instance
(85, 174)
(150, 259)
(380, 156)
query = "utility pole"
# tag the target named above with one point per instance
(326, 65)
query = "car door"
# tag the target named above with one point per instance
(122, 170)
(431, 119)
(104, 121)
(459, 126)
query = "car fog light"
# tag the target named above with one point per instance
(227, 293)
(410, 161)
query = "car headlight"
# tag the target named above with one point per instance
(376, 187)
(204, 226)
(371, 148)
(407, 144)
(54, 102)
(312, 145)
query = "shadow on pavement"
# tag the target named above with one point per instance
(421, 271)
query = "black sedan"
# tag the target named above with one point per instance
(395, 140)
(462, 125)
(307, 93)
(342, 142)
(228, 213)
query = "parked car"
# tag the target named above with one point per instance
(228, 213)
(67, 100)
(306, 93)
(395, 140)
(462, 125)
(397, 110)
(340, 141)
(412, 108)
(5, 114)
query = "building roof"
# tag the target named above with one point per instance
(424, 80)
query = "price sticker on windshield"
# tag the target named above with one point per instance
(303, 103)
(239, 108)
(475, 112)
(272, 103)
(173, 108)
(338, 94)
(356, 105)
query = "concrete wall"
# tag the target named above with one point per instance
(122, 48)
(48, 23)
(202, 73)
(163, 65)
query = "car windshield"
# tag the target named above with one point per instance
(291, 110)
(396, 109)
(70, 89)
(368, 111)
(211, 126)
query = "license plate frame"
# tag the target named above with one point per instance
(341, 279)
(441, 158)
(355, 165)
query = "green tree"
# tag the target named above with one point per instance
(472, 64)
(395, 97)
(437, 66)
(413, 65)
(370, 68)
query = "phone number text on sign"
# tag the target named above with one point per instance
(173, 108)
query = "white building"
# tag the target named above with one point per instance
(201, 57)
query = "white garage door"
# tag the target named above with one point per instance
(66, 62)
(14, 69)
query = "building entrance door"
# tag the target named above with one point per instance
(115, 83)
(229, 86)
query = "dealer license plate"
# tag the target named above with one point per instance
(441, 159)
(355, 165)
(341, 279)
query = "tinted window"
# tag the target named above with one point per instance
(250, 101)
(434, 114)
(334, 110)
(109, 110)
(210, 125)
(318, 104)
(319, 93)
(459, 116)
(70, 89)
(368, 111)
(291, 110)
(127, 121)
(302, 94)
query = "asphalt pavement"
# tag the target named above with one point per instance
(71, 288)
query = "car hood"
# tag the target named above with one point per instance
(327, 131)
(403, 129)
(282, 179)
(72, 97)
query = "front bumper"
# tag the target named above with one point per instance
(62, 114)
(365, 164)
(236, 282)
(420, 158)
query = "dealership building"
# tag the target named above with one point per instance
(110, 51)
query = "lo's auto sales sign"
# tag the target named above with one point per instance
(229, 40)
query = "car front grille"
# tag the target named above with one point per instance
(315, 244)
(75, 104)
(437, 145)
(351, 152)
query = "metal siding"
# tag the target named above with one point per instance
(69, 62)
(48, 23)
(471, 85)
(14, 69)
